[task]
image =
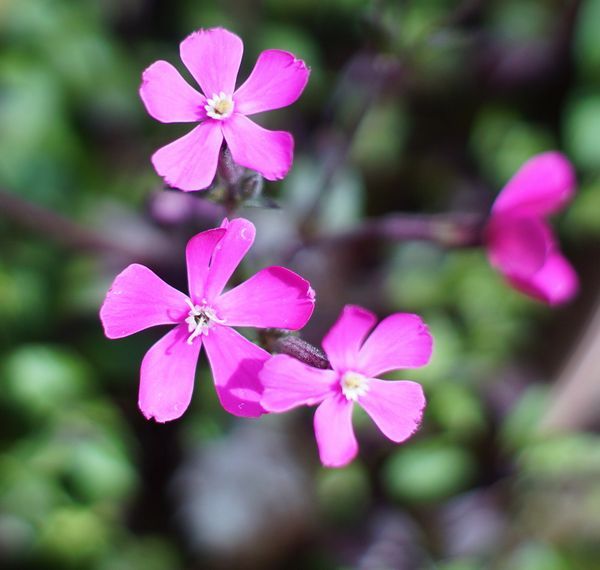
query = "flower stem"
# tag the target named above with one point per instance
(283, 343)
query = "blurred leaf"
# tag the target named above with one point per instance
(344, 493)
(149, 553)
(582, 131)
(457, 410)
(501, 141)
(562, 456)
(73, 537)
(379, 141)
(587, 40)
(519, 20)
(582, 218)
(427, 471)
(536, 556)
(520, 425)
(43, 379)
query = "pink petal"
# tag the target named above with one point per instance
(344, 339)
(399, 341)
(395, 406)
(555, 283)
(268, 152)
(139, 299)
(198, 253)
(289, 383)
(334, 433)
(235, 364)
(190, 162)
(213, 57)
(227, 255)
(517, 246)
(168, 97)
(543, 185)
(274, 297)
(167, 376)
(276, 81)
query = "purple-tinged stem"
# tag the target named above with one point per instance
(447, 230)
(61, 229)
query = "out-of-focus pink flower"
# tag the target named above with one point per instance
(213, 58)
(520, 243)
(138, 299)
(357, 358)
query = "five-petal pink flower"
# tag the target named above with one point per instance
(357, 358)
(520, 242)
(138, 299)
(213, 58)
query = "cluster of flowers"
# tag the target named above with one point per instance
(250, 381)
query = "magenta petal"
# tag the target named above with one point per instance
(395, 406)
(274, 297)
(198, 253)
(213, 57)
(334, 433)
(555, 283)
(401, 340)
(344, 339)
(543, 185)
(139, 299)
(168, 97)
(190, 162)
(289, 383)
(276, 81)
(268, 152)
(517, 246)
(167, 376)
(235, 364)
(227, 255)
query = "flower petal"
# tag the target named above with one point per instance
(235, 364)
(395, 406)
(139, 299)
(198, 253)
(274, 297)
(268, 152)
(168, 97)
(289, 383)
(276, 81)
(401, 340)
(190, 162)
(344, 339)
(167, 376)
(543, 185)
(227, 255)
(213, 57)
(517, 246)
(334, 433)
(555, 283)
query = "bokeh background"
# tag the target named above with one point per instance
(424, 107)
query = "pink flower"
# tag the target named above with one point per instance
(138, 299)
(399, 341)
(213, 58)
(520, 242)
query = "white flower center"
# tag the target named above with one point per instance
(201, 318)
(220, 106)
(354, 385)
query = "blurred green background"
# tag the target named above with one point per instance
(422, 106)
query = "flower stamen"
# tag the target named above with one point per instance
(354, 385)
(220, 106)
(200, 320)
